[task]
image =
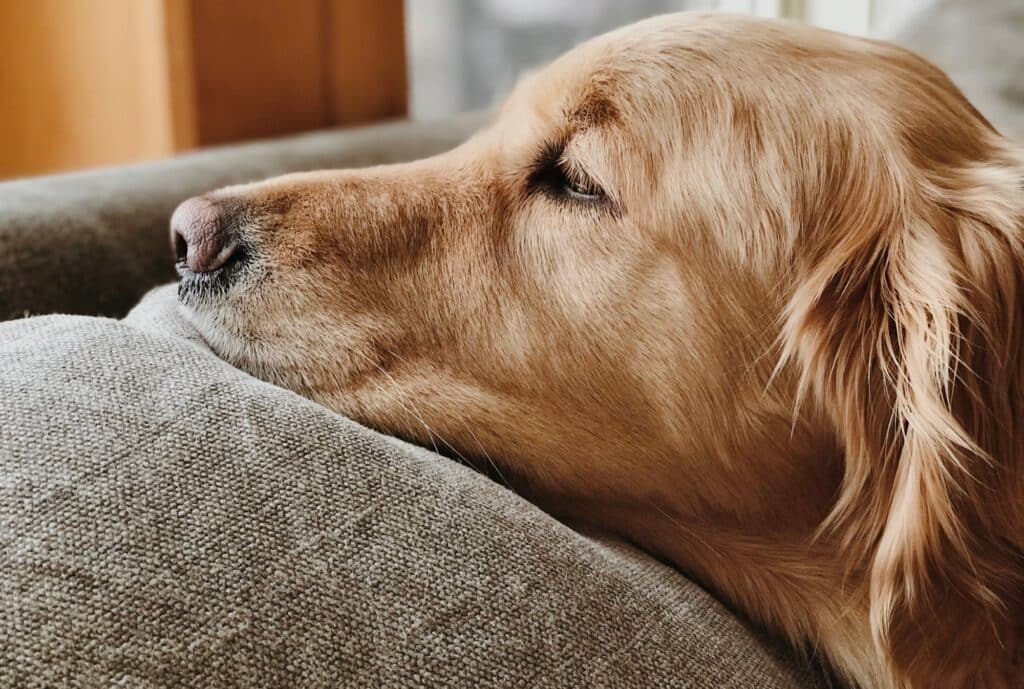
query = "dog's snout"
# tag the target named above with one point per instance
(201, 237)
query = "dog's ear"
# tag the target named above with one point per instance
(908, 328)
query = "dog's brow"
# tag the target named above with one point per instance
(595, 110)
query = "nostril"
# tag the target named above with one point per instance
(180, 246)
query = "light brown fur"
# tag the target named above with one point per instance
(786, 352)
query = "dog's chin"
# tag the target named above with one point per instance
(216, 309)
(209, 302)
(215, 301)
(211, 321)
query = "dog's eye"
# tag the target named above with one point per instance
(575, 187)
(561, 178)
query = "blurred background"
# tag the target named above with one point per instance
(466, 53)
(96, 82)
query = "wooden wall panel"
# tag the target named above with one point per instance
(91, 82)
(258, 67)
(379, 89)
(180, 73)
(77, 84)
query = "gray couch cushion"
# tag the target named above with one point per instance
(94, 242)
(168, 521)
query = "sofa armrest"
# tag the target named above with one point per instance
(94, 242)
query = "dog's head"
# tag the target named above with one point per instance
(761, 280)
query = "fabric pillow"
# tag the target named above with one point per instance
(168, 521)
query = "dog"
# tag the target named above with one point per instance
(746, 293)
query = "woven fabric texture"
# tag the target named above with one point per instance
(168, 521)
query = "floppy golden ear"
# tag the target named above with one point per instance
(908, 327)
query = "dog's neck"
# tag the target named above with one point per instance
(788, 580)
(774, 564)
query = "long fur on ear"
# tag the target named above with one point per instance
(908, 327)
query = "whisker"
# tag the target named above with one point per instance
(687, 530)
(487, 456)
(410, 412)
(410, 408)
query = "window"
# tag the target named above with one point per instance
(465, 54)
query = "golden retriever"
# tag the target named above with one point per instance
(746, 293)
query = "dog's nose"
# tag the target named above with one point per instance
(200, 236)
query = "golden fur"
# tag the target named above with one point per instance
(783, 351)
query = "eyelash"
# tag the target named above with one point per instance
(556, 177)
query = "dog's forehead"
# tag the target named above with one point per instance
(597, 81)
(645, 80)
(585, 87)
